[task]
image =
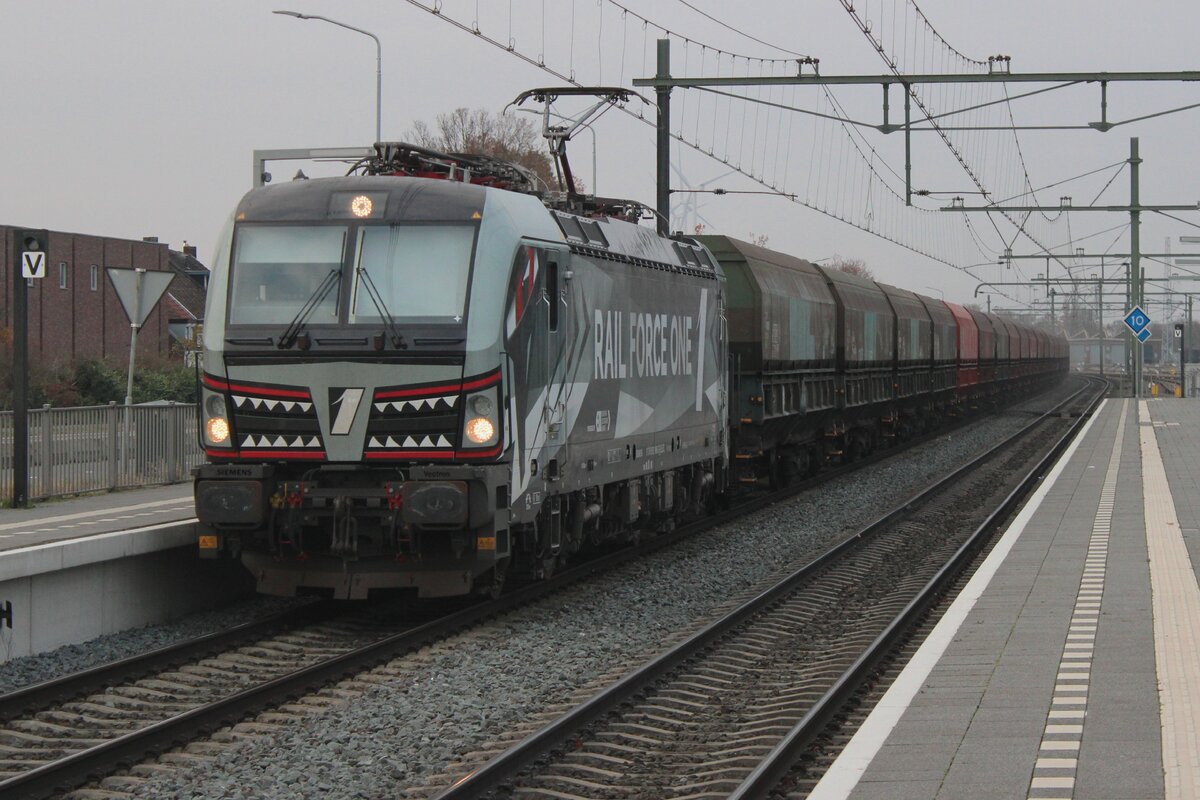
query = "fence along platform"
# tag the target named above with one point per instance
(98, 448)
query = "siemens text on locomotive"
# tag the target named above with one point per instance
(423, 378)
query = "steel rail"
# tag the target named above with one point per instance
(494, 773)
(35, 697)
(77, 768)
(27, 699)
(776, 764)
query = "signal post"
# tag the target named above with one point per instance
(29, 252)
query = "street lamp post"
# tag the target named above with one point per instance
(378, 62)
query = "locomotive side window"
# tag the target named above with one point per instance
(277, 268)
(595, 236)
(418, 270)
(571, 227)
(687, 255)
(552, 293)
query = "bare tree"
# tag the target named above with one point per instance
(852, 266)
(478, 131)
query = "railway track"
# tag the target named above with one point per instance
(727, 712)
(36, 697)
(825, 747)
(57, 734)
(64, 733)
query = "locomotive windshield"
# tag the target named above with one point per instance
(420, 271)
(279, 267)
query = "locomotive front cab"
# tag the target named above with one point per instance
(354, 400)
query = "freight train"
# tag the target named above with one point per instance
(427, 376)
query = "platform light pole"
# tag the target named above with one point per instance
(378, 61)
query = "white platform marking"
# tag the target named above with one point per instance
(1176, 604)
(82, 514)
(848, 769)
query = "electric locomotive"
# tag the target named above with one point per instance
(420, 378)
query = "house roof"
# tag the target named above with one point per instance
(187, 293)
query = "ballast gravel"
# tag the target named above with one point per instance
(71, 658)
(462, 694)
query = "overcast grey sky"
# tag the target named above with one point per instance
(138, 118)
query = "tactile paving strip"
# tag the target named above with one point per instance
(1058, 756)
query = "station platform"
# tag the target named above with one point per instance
(1069, 667)
(74, 569)
(88, 515)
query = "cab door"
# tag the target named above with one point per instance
(535, 345)
(558, 362)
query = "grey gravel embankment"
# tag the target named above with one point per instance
(425, 711)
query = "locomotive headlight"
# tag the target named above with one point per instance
(481, 404)
(217, 430)
(481, 425)
(481, 430)
(215, 427)
(214, 404)
(361, 206)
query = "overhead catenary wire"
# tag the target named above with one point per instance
(1177, 219)
(1119, 165)
(935, 52)
(857, 193)
(682, 37)
(740, 32)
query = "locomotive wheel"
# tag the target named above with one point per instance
(546, 568)
(491, 583)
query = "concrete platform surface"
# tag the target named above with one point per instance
(59, 520)
(1069, 667)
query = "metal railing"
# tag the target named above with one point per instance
(74, 450)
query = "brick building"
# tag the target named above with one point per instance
(74, 312)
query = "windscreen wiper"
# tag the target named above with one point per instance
(315, 299)
(377, 301)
